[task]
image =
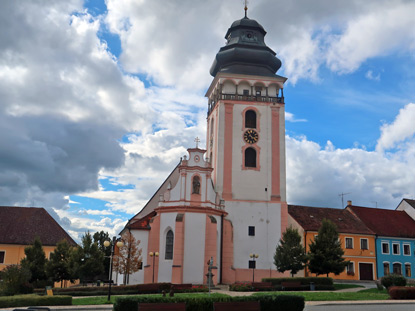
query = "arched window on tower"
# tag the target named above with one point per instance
(196, 185)
(250, 119)
(250, 157)
(169, 245)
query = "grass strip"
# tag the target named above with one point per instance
(369, 294)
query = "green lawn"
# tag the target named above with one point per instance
(345, 286)
(366, 294)
(100, 300)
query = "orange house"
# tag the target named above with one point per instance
(18, 228)
(357, 241)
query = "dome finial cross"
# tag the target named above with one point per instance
(246, 7)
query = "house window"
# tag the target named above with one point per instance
(251, 231)
(397, 268)
(169, 245)
(408, 270)
(386, 269)
(407, 249)
(349, 243)
(2, 255)
(250, 119)
(364, 244)
(350, 268)
(246, 92)
(395, 249)
(385, 248)
(250, 157)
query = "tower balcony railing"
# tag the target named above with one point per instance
(240, 97)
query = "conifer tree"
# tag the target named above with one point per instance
(326, 254)
(58, 268)
(87, 260)
(35, 262)
(290, 254)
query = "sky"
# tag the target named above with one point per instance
(100, 99)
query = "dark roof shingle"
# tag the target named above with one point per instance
(20, 225)
(385, 222)
(310, 218)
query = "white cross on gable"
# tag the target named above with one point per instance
(197, 141)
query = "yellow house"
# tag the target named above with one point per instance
(18, 228)
(357, 241)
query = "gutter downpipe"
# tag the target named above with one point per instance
(221, 249)
(376, 256)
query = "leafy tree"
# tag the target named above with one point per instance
(290, 254)
(86, 260)
(326, 254)
(58, 268)
(35, 262)
(128, 258)
(99, 238)
(15, 280)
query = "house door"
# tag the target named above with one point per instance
(366, 271)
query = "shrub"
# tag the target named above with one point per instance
(15, 280)
(393, 280)
(121, 290)
(401, 292)
(268, 303)
(320, 283)
(34, 300)
(241, 287)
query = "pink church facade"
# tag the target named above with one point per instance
(228, 201)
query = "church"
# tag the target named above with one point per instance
(228, 202)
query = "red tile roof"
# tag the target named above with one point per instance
(310, 218)
(142, 223)
(20, 225)
(385, 222)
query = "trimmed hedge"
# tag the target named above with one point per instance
(402, 292)
(34, 300)
(121, 290)
(303, 281)
(393, 280)
(321, 283)
(268, 302)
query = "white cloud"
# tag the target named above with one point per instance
(399, 131)
(291, 118)
(385, 28)
(371, 76)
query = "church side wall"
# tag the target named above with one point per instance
(194, 248)
(142, 236)
(167, 222)
(266, 218)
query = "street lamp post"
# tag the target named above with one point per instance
(154, 255)
(112, 244)
(253, 256)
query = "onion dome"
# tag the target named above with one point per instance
(245, 51)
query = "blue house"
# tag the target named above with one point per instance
(395, 239)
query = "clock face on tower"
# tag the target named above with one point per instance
(251, 136)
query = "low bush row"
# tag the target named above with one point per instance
(268, 303)
(302, 280)
(319, 284)
(402, 292)
(122, 290)
(34, 300)
(393, 280)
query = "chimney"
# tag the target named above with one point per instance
(349, 203)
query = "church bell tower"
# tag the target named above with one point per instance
(246, 149)
(246, 130)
